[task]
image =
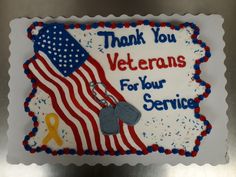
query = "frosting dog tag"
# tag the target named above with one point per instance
(127, 113)
(108, 121)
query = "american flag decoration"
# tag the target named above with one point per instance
(62, 49)
(64, 69)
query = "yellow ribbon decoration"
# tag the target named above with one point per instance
(52, 129)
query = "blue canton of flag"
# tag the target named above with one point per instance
(62, 49)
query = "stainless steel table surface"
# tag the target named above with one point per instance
(10, 9)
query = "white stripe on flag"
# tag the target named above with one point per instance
(82, 103)
(71, 104)
(60, 102)
(126, 130)
(96, 118)
(98, 80)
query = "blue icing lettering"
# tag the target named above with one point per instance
(162, 38)
(151, 85)
(131, 87)
(166, 104)
(111, 40)
(144, 84)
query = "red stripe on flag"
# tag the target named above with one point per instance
(119, 148)
(111, 102)
(107, 140)
(108, 145)
(91, 106)
(79, 85)
(91, 74)
(102, 76)
(62, 115)
(83, 124)
(122, 134)
(74, 100)
(118, 96)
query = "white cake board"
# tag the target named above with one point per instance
(213, 150)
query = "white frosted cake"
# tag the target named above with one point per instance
(116, 89)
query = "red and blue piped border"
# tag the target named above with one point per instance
(149, 149)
